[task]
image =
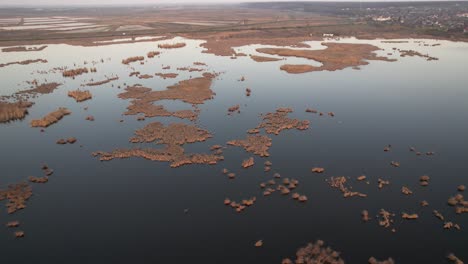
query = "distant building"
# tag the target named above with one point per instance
(328, 35)
(382, 18)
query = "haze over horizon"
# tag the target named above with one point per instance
(138, 2)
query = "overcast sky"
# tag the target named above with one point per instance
(120, 2)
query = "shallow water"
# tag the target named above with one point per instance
(132, 211)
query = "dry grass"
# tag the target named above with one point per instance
(74, 72)
(153, 54)
(51, 118)
(336, 56)
(263, 59)
(172, 46)
(80, 96)
(132, 59)
(13, 111)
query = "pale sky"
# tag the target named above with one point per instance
(135, 2)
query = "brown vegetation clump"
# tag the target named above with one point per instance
(173, 134)
(454, 259)
(365, 216)
(153, 54)
(382, 183)
(190, 69)
(13, 224)
(47, 171)
(315, 253)
(361, 178)
(13, 111)
(409, 216)
(340, 183)
(34, 179)
(79, 95)
(74, 72)
(318, 170)
(234, 108)
(268, 191)
(17, 195)
(173, 137)
(450, 225)
(259, 243)
(102, 82)
(222, 43)
(45, 88)
(167, 75)
(248, 91)
(145, 76)
(239, 207)
(438, 215)
(386, 218)
(172, 46)
(257, 144)
(274, 123)
(336, 56)
(283, 189)
(132, 59)
(50, 118)
(413, 53)
(248, 162)
(406, 190)
(71, 140)
(193, 91)
(25, 62)
(151, 110)
(297, 68)
(263, 59)
(461, 206)
(172, 153)
(424, 180)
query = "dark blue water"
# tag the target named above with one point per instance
(132, 211)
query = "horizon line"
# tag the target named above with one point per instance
(186, 2)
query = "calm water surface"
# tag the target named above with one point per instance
(132, 211)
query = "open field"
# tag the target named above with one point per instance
(85, 25)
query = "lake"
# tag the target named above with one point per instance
(140, 211)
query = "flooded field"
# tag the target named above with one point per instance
(162, 152)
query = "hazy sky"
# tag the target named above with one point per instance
(120, 2)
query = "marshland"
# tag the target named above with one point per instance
(210, 141)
